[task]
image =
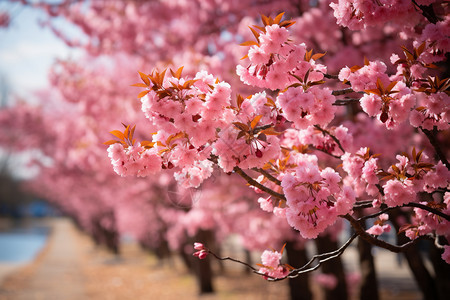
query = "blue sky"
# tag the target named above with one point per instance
(27, 50)
(26, 53)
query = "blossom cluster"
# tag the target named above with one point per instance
(424, 222)
(294, 139)
(306, 108)
(434, 111)
(315, 197)
(389, 101)
(359, 14)
(271, 133)
(362, 170)
(410, 176)
(202, 251)
(379, 227)
(276, 62)
(134, 160)
(271, 264)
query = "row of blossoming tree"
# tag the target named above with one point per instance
(342, 115)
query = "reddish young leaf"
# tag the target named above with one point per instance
(144, 78)
(255, 121)
(140, 85)
(143, 93)
(278, 18)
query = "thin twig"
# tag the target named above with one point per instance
(373, 240)
(332, 136)
(429, 209)
(321, 150)
(374, 215)
(323, 257)
(235, 260)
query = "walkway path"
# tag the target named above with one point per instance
(57, 275)
(70, 267)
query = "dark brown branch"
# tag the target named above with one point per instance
(429, 209)
(330, 76)
(258, 185)
(332, 136)
(374, 215)
(373, 240)
(261, 128)
(363, 204)
(427, 12)
(267, 175)
(431, 135)
(321, 259)
(342, 102)
(342, 92)
(235, 260)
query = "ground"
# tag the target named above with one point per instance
(71, 267)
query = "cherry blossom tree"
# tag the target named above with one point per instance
(336, 113)
(266, 135)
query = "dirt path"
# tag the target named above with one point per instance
(70, 267)
(56, 273)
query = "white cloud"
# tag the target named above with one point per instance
(30, 51)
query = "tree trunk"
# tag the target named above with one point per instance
(203, 270)
(299, 287)
(369, 283)
(442, 271)
(334, 267)
(248, 260)
(423, 278)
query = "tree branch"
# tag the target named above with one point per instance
(332, 136)
(321, 150)
(429, 209)
(267, 175)
(235, 260)
(431, 135)
(321, 259)
(330, 76)
(374, 215)
(258, 185)
(342, 92)
(342, 102)
(427, 12)
(363, 204)
(373, 240)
